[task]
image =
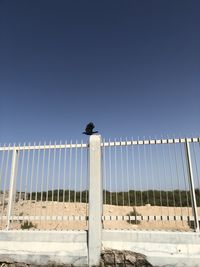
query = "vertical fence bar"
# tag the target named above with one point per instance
(12, 189)
(191, 184)
(95, 201)
(81, 173)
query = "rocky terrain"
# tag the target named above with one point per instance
(109, 258)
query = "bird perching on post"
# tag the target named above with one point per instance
(89, 129)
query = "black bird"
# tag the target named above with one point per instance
(89, 129)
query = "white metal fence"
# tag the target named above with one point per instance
(147, 184)
(152, 184)
(44, 186)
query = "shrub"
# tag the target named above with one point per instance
(27, 225)
(133, 213)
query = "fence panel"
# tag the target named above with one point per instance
(146, 184)
(50, 187)
(5, 173)
(195, 155)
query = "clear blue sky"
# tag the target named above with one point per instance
(131, 67)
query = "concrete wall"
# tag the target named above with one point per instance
(70, 247)
(44, 247)
(161, 248)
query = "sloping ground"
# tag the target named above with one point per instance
(45, 209)
(176, 225)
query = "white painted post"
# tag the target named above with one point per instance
(191, 184)
(95, 201)
(12, 189)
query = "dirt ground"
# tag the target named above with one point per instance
(24, 209)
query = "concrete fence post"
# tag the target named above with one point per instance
(95, 201)
(12, 188)
(191, 184)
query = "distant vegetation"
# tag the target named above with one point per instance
(132, 198)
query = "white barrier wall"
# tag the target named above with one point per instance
(70, 247)
(44, 247)
(161, 248)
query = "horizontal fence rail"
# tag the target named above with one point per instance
(44, 186)
(149, 142)
(151, 184)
